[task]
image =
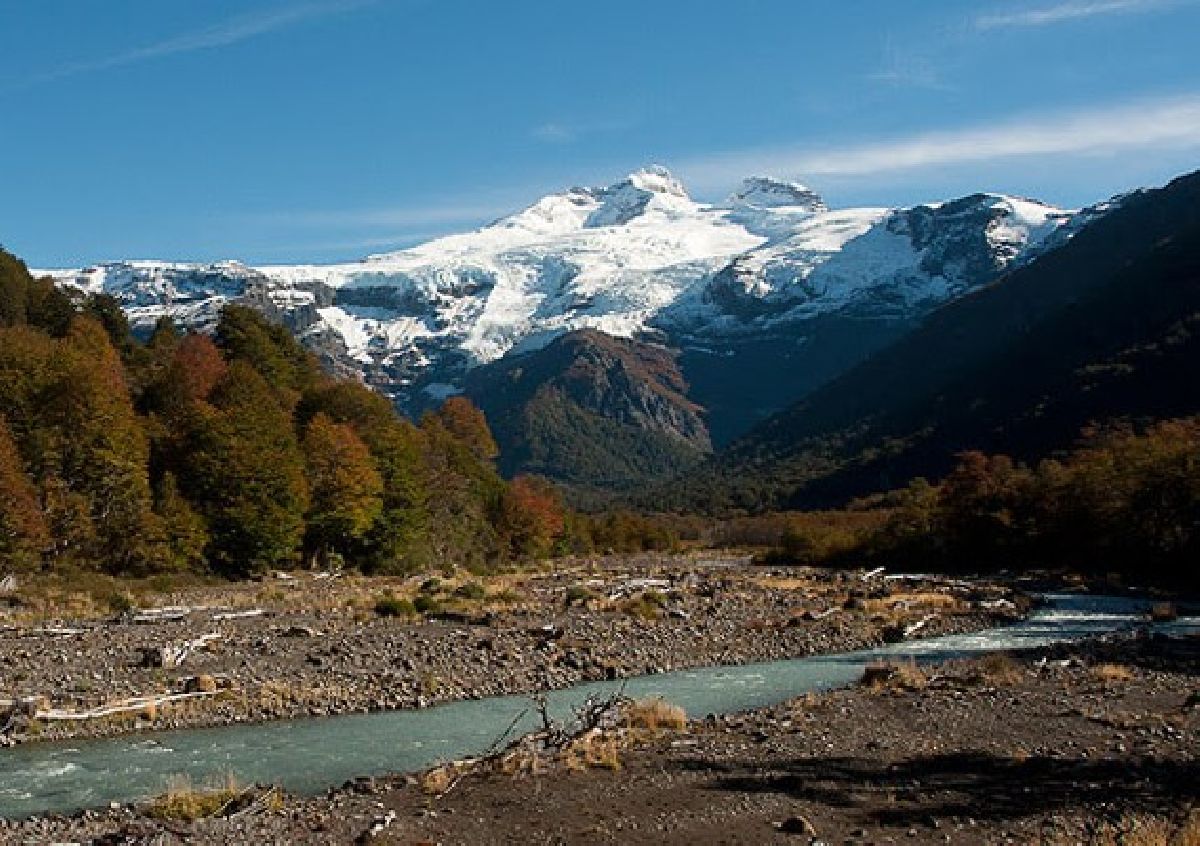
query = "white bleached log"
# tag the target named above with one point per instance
(57, 631)
(170, 657)
(909, 631)
(168, 614)
(238, 615)
(137, 703)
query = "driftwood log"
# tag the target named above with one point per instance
(125, 706)
(171, 656)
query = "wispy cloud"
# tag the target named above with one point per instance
(1068, 11)
(1144, 125)
(383, 217)
(554, 132)
(907, 69)
(566, 131)
(227, 32)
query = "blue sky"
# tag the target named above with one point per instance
(316, 130)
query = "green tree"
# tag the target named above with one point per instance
(399, 541)
(99, 448)
(185, 534)
(244, 334)
(346, 489)
(244, 471)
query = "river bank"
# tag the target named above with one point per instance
(1072, 744)
(313, 645)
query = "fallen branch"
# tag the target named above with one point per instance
(238, 615)
(137, 703)
(58, 631)
(170, 657)
(167, 614)
(909, 631)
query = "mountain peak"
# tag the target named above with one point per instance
(767, 192)
(629, 198)
(657, 180)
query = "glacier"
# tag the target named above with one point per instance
(637, 259)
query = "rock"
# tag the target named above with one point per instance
(200, 684)
(1164, 612)
(797, 825)
(299, 631)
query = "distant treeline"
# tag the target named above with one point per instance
(234, 453)
(1124, 502)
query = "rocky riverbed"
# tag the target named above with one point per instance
(311, 644)
(1090, 743)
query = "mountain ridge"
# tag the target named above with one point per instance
(770, 275)
(1103, 328)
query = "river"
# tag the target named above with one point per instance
(308, 756)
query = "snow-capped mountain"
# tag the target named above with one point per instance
(636, 259)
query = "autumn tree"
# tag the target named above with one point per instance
(531, 517)
(25, 301)
(464, 491)
(467, 424)
(23, 532)
(399, 541)
(184, 533)
(346, 489)
(99, 448)
(195, 368)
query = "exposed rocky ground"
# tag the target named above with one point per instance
(1084, 744)
(311, 645)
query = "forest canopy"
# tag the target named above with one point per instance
(232, 454)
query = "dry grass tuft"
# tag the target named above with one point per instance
(183, 801)
(916, 601)
(595, 750)
(1134, 830)
(437, 781)
(894, 677)
(523, 761)
(654, 714)
(1110, 673)
(998, 668)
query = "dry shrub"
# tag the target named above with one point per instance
(1134, 830)
(894, 677)
(184, 801)
(917, 601)
(274, 693)
(645, 606)
(522, 761)
(595, 750)
(1110, 673)
(998, 668)
(654, 714)
(437, 781)
(786, 583)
